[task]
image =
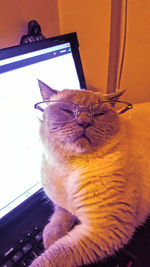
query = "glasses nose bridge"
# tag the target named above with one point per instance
(83, 111)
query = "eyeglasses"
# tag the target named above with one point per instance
(65, 112)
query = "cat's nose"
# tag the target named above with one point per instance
(85, 124)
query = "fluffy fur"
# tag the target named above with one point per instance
(99, 181)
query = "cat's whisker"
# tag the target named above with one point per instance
(53, 131)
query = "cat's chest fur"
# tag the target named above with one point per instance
(87, 176)
(55, 184)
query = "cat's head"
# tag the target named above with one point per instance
(77, 121)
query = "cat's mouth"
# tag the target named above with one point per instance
(82, 136)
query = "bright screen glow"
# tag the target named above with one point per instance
(20, 145)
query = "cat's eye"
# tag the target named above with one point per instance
(67, 111)
(98, 114)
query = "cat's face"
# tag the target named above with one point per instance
(91, 127)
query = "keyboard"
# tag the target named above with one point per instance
(26, 250)
(21, 231)
(21, 238)
(135, 254)
(31, 246)
(121, 259)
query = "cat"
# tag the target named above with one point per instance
(96, 170)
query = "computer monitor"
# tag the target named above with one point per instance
(55, 61)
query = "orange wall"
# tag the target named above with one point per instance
(15, 15)
(91, 21)
(136, 68)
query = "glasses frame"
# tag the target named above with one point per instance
(123, 110)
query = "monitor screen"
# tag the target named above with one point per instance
(56, 62)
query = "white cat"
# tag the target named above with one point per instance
(96, 170)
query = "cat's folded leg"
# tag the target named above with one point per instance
(89, 243)
(69, 251)
(60, 224)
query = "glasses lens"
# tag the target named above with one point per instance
(98, 109)
(120, 106)
(59, 112)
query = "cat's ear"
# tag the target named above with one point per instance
(114, 96)
(46, 91)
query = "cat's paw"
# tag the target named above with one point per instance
(52, 234)
(41, 261)
(55, 230)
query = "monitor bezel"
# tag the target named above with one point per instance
(72, 38)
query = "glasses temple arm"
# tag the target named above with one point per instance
(126, 108)
(36, 106)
